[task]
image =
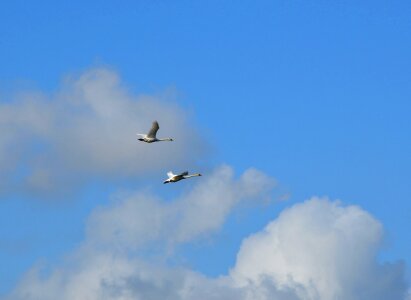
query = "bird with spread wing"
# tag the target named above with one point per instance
(177, 177)
(151, 136)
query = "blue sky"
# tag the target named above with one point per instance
(315, 95)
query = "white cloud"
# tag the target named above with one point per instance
(314, 250)
(318, 249)
(113, 259)
(88, 128)
(141, 218)
(327, 250)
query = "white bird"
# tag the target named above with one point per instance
(174, 178)
(150, 137)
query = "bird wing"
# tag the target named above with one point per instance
(170, 174)
(153, 131)
(183, 174)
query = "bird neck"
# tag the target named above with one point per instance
(192, 175)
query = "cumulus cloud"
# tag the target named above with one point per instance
(318, 249)
(322, 250)
(88, 128)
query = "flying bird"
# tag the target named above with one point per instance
(174, 178)
(150, 137)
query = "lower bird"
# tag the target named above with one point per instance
(177, 177)
(151, 136)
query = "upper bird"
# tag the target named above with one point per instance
(174, 178)
(150, 137)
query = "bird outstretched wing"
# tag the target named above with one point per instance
(170, 174)
(153, 131)
(183, 174)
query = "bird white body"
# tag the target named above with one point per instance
(151, 136)
(177, 177)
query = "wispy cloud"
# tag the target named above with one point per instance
(88, 128)
(200, 211)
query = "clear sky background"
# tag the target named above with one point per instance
(316, 94)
